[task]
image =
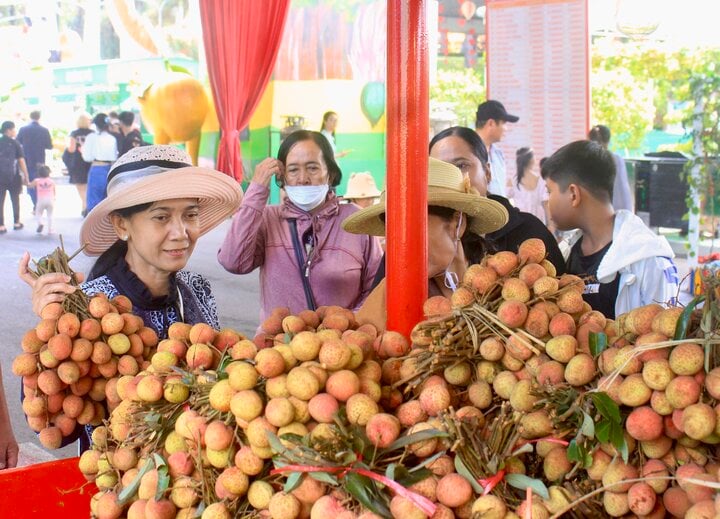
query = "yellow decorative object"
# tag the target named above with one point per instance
(175, 108)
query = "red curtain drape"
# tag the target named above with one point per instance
(242, 38)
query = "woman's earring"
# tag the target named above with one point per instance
(124, 237)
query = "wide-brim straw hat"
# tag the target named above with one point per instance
(447, 187)
(361, 185)
(151, 173)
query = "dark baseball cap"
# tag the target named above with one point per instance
(494, 110)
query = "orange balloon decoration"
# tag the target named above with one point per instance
(468, 9)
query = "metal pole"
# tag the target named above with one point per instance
(694, 213)
(407, 159)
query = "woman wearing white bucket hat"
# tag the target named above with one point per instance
(361, 189)
(158, 204)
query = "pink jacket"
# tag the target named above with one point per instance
(342, 268)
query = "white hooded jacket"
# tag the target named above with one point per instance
(642, 259)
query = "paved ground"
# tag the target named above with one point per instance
(238, 296)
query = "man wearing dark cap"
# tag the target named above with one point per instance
(490, 126)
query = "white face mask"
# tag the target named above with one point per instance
(307, 198)
(451, 278)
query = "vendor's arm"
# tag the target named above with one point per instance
(46, 289)
(374, 308)
(243, 249)
(373, 258)
(8, 445)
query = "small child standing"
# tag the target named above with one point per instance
(45, 187)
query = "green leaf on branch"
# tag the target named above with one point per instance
(598, 343)
(364, 490)
(293, 481)
(461, 469)
(408, 478)
(588, 426)
(324, 477)
(684, 321)
(275, 443)
(427, 434)
(606, 406)
(573, 451)
(129, 491)
(602, 431)
(521, 481)
(163, 482)
(617, 438)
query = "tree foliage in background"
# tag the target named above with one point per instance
(703, 89)
(463, 88)
(624, 104)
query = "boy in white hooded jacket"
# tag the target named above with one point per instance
(624, 263)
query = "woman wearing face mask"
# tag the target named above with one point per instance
(305, 258)
(457, 216)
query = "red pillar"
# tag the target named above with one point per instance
(407, 158)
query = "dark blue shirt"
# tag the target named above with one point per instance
(35, 139)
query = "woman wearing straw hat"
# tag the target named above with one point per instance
(158, 205)
(456, 213)
(144, 232)
(305, 258)
(361, 189)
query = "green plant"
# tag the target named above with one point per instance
(464, 89)
(703, 121)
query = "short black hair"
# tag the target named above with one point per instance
(585, 163)
(6, 126)
(43, 171)
(469, 136)
(35, 115)
(600, 133)
(127, 118)
(101, 122)
(334, 173)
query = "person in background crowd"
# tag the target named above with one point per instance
(490, 124)
(76, 166)
(329, 123)
(144, 233)
(622, 197)
(621, 194)
(131, 136)
(624, 263)
(530, 193)
(305, 258)
(458, 216)
(114, 123)
(8, 444)
(45, 188)
(13, 174)
(35, 139)
(101, 150)
(361, 189)
(464, 148)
